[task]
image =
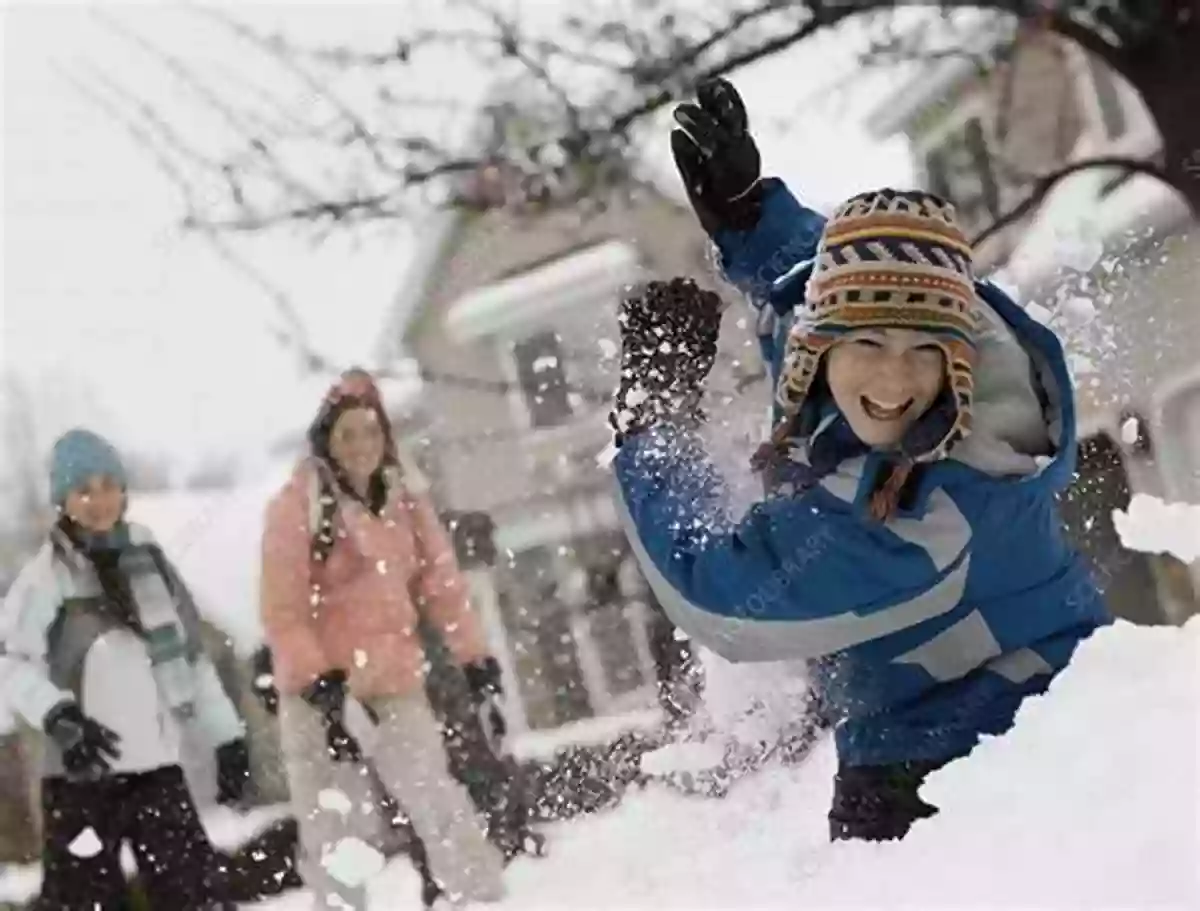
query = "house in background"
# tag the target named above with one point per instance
(1110, 260)
(511, 313)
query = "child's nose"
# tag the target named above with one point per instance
(892, 369)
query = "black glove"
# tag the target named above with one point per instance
(263, 682)
(327, 694)
(233, 771)
(717, 158)
(484, 679)
(87, 746)
(668, 344)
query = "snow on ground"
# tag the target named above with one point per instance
(1090, 802)
(226, 827)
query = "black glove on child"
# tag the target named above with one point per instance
(233, 771)
(327, 694)
(717, 158)
(484, 680)
(669, 336)
(87, 746)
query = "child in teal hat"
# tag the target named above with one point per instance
(101, 648)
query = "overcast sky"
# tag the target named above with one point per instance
(103, 295)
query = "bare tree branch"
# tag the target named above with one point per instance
(605, 68)
(1044, 184)
(641, 57)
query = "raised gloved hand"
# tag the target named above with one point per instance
(484, 680)
(327, 694)
(718, 159)
(233, 771)
(668, 344)
(87, 746)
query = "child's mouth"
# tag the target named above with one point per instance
(880, 412)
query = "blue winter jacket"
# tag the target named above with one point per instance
(922, 633)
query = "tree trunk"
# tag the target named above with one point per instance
(1161, 62)
(1167, 74)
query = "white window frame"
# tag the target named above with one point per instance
(1140, 137)
(978, 107)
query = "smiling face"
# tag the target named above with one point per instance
(96, 505)
(357, 444)
(884, 380)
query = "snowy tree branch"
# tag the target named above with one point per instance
(1047, 182)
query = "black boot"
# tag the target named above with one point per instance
(878, 803)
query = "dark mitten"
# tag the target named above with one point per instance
(669, 336)
(233, 771)
(263, 683)
(484, 679)
(87, 746)
(483, 676)
(718, 159)
(327, 694)
(339, 742)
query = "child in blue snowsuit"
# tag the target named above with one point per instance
(909, 545)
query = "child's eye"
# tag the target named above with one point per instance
(868, 342)
(929, 347)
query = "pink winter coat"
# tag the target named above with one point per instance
(363, 618)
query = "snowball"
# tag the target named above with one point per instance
(606, 455)
(1081, 364)
(1155, 527)
(1079, 252)
(1129, 431)
(86, 844)
(334, 800)
(360, 658)
(1039, 313)
(608, 348)
(636, 396)
(352, 861)
(1079, 309)
(381, 567)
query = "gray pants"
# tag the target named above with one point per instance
(334, 802)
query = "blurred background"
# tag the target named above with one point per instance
(209, 212)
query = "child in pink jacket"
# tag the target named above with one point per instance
(340, 609)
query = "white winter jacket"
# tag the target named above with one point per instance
(156, 689)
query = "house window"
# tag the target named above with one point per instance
(1108, 98)
(543, 381)
(961, 170)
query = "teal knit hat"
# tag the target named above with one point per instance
(78, 455)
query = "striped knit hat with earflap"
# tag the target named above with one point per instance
(889, 259)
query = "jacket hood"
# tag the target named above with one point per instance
(1022, 390)
(353, 389)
